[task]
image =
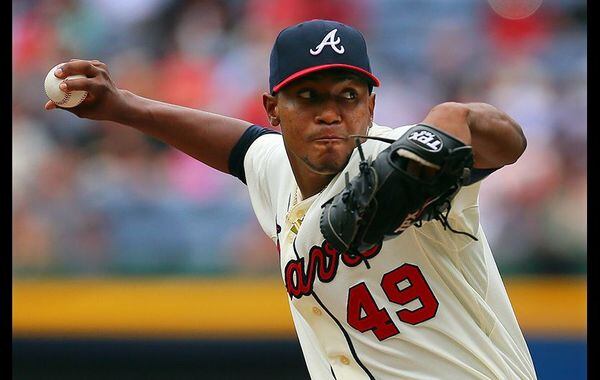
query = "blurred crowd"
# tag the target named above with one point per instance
(100, 198)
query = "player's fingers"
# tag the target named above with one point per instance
(100, 64)
(77, 84)
(76, 66)
(50, 105)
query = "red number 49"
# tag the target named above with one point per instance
(364, 315)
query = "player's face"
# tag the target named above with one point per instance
(317, 113)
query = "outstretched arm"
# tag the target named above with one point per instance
(496, 139)
(205, 136)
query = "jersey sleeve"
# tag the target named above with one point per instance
(238, 153)
(265, 164)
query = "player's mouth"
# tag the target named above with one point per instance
(330, 139)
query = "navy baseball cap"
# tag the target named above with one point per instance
(318, 45)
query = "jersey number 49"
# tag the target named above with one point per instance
(364, 314)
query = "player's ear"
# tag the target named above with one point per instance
(270, 105)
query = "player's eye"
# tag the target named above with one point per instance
(349, 94)
(306, 94)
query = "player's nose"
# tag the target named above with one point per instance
(328, 111)
(328, 114)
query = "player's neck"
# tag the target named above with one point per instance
(310, 183)
(308, 190)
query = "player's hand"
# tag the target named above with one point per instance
(104, 101)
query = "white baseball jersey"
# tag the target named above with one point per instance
(427, 304)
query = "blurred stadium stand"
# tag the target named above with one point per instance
(95, 200)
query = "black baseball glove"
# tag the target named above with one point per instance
(411, 181)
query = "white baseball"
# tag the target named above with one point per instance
(59, 97)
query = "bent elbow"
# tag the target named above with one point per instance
(517, 152)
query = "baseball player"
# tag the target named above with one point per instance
(388, 271)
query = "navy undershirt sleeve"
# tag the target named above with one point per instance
(236, 157)
(479, 174)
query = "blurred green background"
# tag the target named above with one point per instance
(95, 201)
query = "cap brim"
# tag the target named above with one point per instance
(372, 78)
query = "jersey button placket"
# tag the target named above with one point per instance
(317, 311)
(344, 359)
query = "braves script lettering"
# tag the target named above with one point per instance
(323, 262)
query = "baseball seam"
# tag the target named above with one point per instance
(65, 98)
(61, 101)
(80, 100)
